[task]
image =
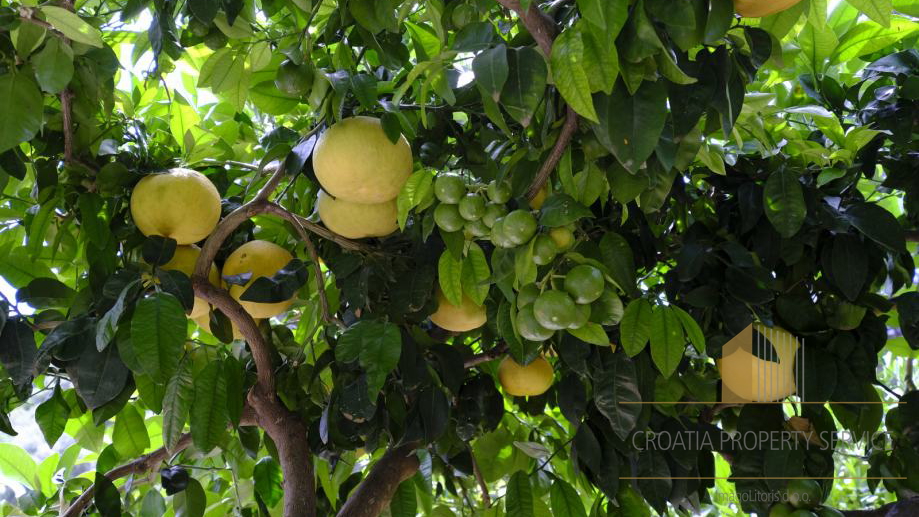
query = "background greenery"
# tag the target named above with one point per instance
(737, 169)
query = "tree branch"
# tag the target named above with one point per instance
(486, 356)
(542, 27)
(314, 256)
(483, 486)
(146, 463)
(911, 235)
(375, 492)
(285, 428)
(67, 115)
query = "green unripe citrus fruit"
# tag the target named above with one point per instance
(477, 228)
(448, 218)
(519, 226)
(804, 493)
(544, 250)
(607, 309)
(529, 327)
(293, 79)
(584, 283)
(449, 189)
(492, 212)
(781, 510)
(215, 39)
(555, 310)
(472, 207)
(498, 236)
(527, 295)
(499, 192)
(803, 513)
(563, 237)
(581, 317)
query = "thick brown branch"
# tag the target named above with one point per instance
(375, 492)
(543, 30)
(284, 427)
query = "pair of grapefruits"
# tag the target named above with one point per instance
(182, 204)
(361, 172)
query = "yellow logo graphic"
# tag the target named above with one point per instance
(758, 365)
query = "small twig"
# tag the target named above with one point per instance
(483, 486)
(484, 357)
(556, 451)
(67, 114)
(543, 30)
(314, 256)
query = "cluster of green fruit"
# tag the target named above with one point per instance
(481, 212)
(803, 498)
(585, 298)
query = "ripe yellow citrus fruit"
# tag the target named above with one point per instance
(539, 198)
(184, 260)
(181, 204)
(261, 258)
(354, 160)
(457, 318)
(759, 8)
(357, 220)
(525, 381)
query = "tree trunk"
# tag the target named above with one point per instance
(375, 492)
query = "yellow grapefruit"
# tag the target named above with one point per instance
(357, 220)
(355, 161)
(261, 258)
(181, 204)
(525, 381)
(457, 318)
(184, 260)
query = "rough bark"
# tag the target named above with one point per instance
(375, 492)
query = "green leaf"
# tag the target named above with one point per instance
(267, 476)
(560, 210)
(616, 381)
(204, 10)
(221, 71)
(601, 60)
(690, 328)
(129, 436)
(177, 400)
(158, 329)
(476, 274)
(21, 104)
(631, 126)
(567, 62)
(877, 10)
(17, 352)
(617, 257)
(877, 224)
(635, 327)
(417, 188)
(667, 339)
(209, 409)
(17, 465)
(266, 97)
(190, 502)
(450, 277)
(404, 503)
(519, 496)
(105, 330)
(54, 66)
(565, 500)
(153, 504)
(376, 345)
(72, 26)
(491, 70)
(51, 417)
(591, 333)
(106, 497)
(526, 83)
(783, 201)
(869, 37)
(98, 377)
